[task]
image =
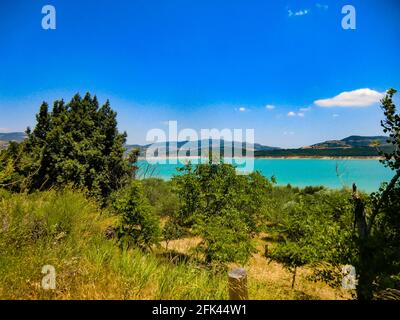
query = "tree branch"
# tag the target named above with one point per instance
(382, 199)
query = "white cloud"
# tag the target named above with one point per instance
(305, 109)
(356, 98)
(270, 107)
(291, 114)
(302, 12)
(242, 109)
(335, 115)
(300, 114)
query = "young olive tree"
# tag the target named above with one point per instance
(311, 227)
(221, 207)
(138, 226)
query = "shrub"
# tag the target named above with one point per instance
(45, 217)
(161, 196)
(138, 224)
(172, 230)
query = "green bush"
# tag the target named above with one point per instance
(138, 224)
(161, 196)
(45, 218)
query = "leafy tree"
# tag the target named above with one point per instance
(76, 143)
(133, 157)
(377, 259)
(312, 230)
(139, 225)
(221, 207)
(171, 231)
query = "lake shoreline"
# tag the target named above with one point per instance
(277, 158)
(322, 157)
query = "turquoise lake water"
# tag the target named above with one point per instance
(367, 174)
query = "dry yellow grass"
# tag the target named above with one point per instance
(269, 280)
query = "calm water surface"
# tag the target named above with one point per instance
(368, 174)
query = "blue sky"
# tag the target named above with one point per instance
(206, 64)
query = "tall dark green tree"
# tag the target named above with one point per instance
(76, 143)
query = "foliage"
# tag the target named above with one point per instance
(138, 225)
(74, 143)
(161, 196)
(45, 218)
(6, 169)
(12, 163)
(221, 207)
(65, 229)
(133, 157)
(391, 125)
(377, 258)
(313, 229)
(172, 231)
(328, 152)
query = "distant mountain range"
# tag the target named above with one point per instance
(200, 145)
(352, 146)
(352, 142)
(5, 138)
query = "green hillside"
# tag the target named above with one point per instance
(352, 142)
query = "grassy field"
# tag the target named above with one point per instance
(68, 231)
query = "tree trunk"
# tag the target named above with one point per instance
(294, 276)
(365, 276)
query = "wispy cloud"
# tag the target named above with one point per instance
(305, 109)
(298, 13)
(301, 113)
(270, 107)
(356, 98)
(335, 115)
(322, 6)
